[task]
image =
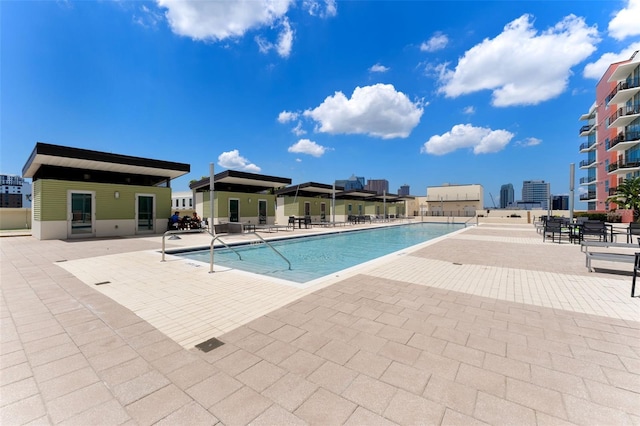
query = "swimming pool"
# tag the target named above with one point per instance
(317, 256)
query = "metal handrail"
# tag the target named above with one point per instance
(182, 231)
(240, 257)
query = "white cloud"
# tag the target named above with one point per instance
(233, 160)
(529, 142)
(218, 20)
(377, 110)
(306, 146)
(596, 70)
(481, 139)
(298, 130)
(315, 8)
(285, 39)
(147, 18)
(379, 68)
(626, 23)
(522, 66)
(470, 110)
(287, 116)
(438, 42)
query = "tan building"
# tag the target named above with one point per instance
(452, 200)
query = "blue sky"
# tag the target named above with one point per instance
(416, 92)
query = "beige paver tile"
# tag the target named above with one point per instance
(302, 363)
(15, 373)
(213, 389)
(536, 397)
(399, 352)
(557, 380)
(529, 355)
(362, 416)
(310, 341)
(241, 407)
(464, 354)
(427, 343)
(261, 375)
(290, 391)
(481, 379)
(499, 411)
(456, 396)
(368, 363)
(314, 409)
(73, 403)
(438, 365)
(337, 351)
(340, 333)
(409, 409)
(276, 415)
(332, 376)
(23, 411)
(581, 411)
(287, 333)
(265, 325)
(277, 351)
(189, 414)
(236, 362)
(59, 367)
(110, 412)
(139, 387)
(613, 397)
(395, 334)
(406, 377)
(157, 405)
(509, 367)
(68, 383)
(189, 374)
(17, 391)
(111, 358)
(451, 335)
(454, 418)
(369, 393)
(623, 379)
(603, 359)
(254, 342)
(368, 342)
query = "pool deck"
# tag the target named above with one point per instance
(486, 326)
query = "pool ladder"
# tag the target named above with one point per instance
(213, 240)
(240, 257)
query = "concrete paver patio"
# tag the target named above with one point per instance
(487, 326)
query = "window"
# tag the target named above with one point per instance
(190, 202)
(183, 203)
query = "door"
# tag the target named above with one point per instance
(323, 211)
(234, 210)
(307, 208)
(262, 212)
(145, 214)
(80, 213)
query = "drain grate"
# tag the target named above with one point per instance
(103, 282)
(62, 260)
(456, 263)
(209, 345)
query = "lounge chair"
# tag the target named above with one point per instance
(593, 228)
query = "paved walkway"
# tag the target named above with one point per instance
(489, 325)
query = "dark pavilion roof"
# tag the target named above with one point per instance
(49, 161)
(310, 189)
(237, 181)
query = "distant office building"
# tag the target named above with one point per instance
(381, 186)
(404, 190)
(536, 191)
(14, 192)
(560, 202)
(354, 182)
(506, 196)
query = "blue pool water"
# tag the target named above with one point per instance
(316, 256)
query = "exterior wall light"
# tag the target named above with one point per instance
(116, 195)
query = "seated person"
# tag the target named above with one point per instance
(174, 220)
(195, 221)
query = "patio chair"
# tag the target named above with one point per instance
(633, 229)
(556, 227)
(636, 272)
(592, 229)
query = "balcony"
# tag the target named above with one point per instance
(585, 130)
(624, 91)
(622, 167)
(588, 146)
(587, 180)
(612, 191)
(624, 141)
(591, 195)
(624, 116)
(585, 164)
